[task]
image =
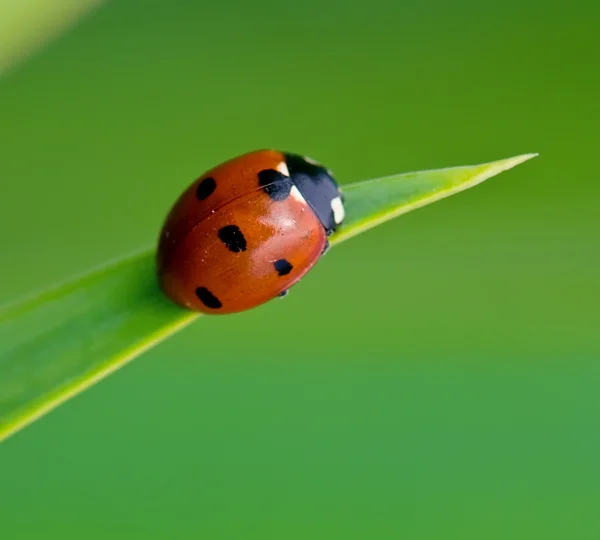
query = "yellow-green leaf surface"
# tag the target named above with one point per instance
(25, 25)
(56, 344)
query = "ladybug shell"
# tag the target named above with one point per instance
(239, 236)
(219, 186)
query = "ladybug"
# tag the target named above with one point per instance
(247, 230)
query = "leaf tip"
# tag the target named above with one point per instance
(496, 167)
(517, 160)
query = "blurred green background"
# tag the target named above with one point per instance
(435, 378)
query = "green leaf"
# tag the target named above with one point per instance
(56, 344)
(26, 25)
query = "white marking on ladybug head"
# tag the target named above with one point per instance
(311, 161)
(283, 168)
(338, 210)
(295, 193)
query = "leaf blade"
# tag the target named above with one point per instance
(373, 202)
(56, 344)
(27, 25)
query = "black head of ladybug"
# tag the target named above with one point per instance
(319, 189)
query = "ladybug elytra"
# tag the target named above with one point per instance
(247, 230)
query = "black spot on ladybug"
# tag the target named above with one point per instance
(276, 185)
(233, 238)
(282, 267)
(208, 298)
(205, 188)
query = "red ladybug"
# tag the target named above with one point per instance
(246, 231)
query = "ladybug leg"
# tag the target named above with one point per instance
(283, 293)
(325, 248)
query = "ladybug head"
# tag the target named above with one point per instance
(319, 189)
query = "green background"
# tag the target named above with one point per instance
(435, 378)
